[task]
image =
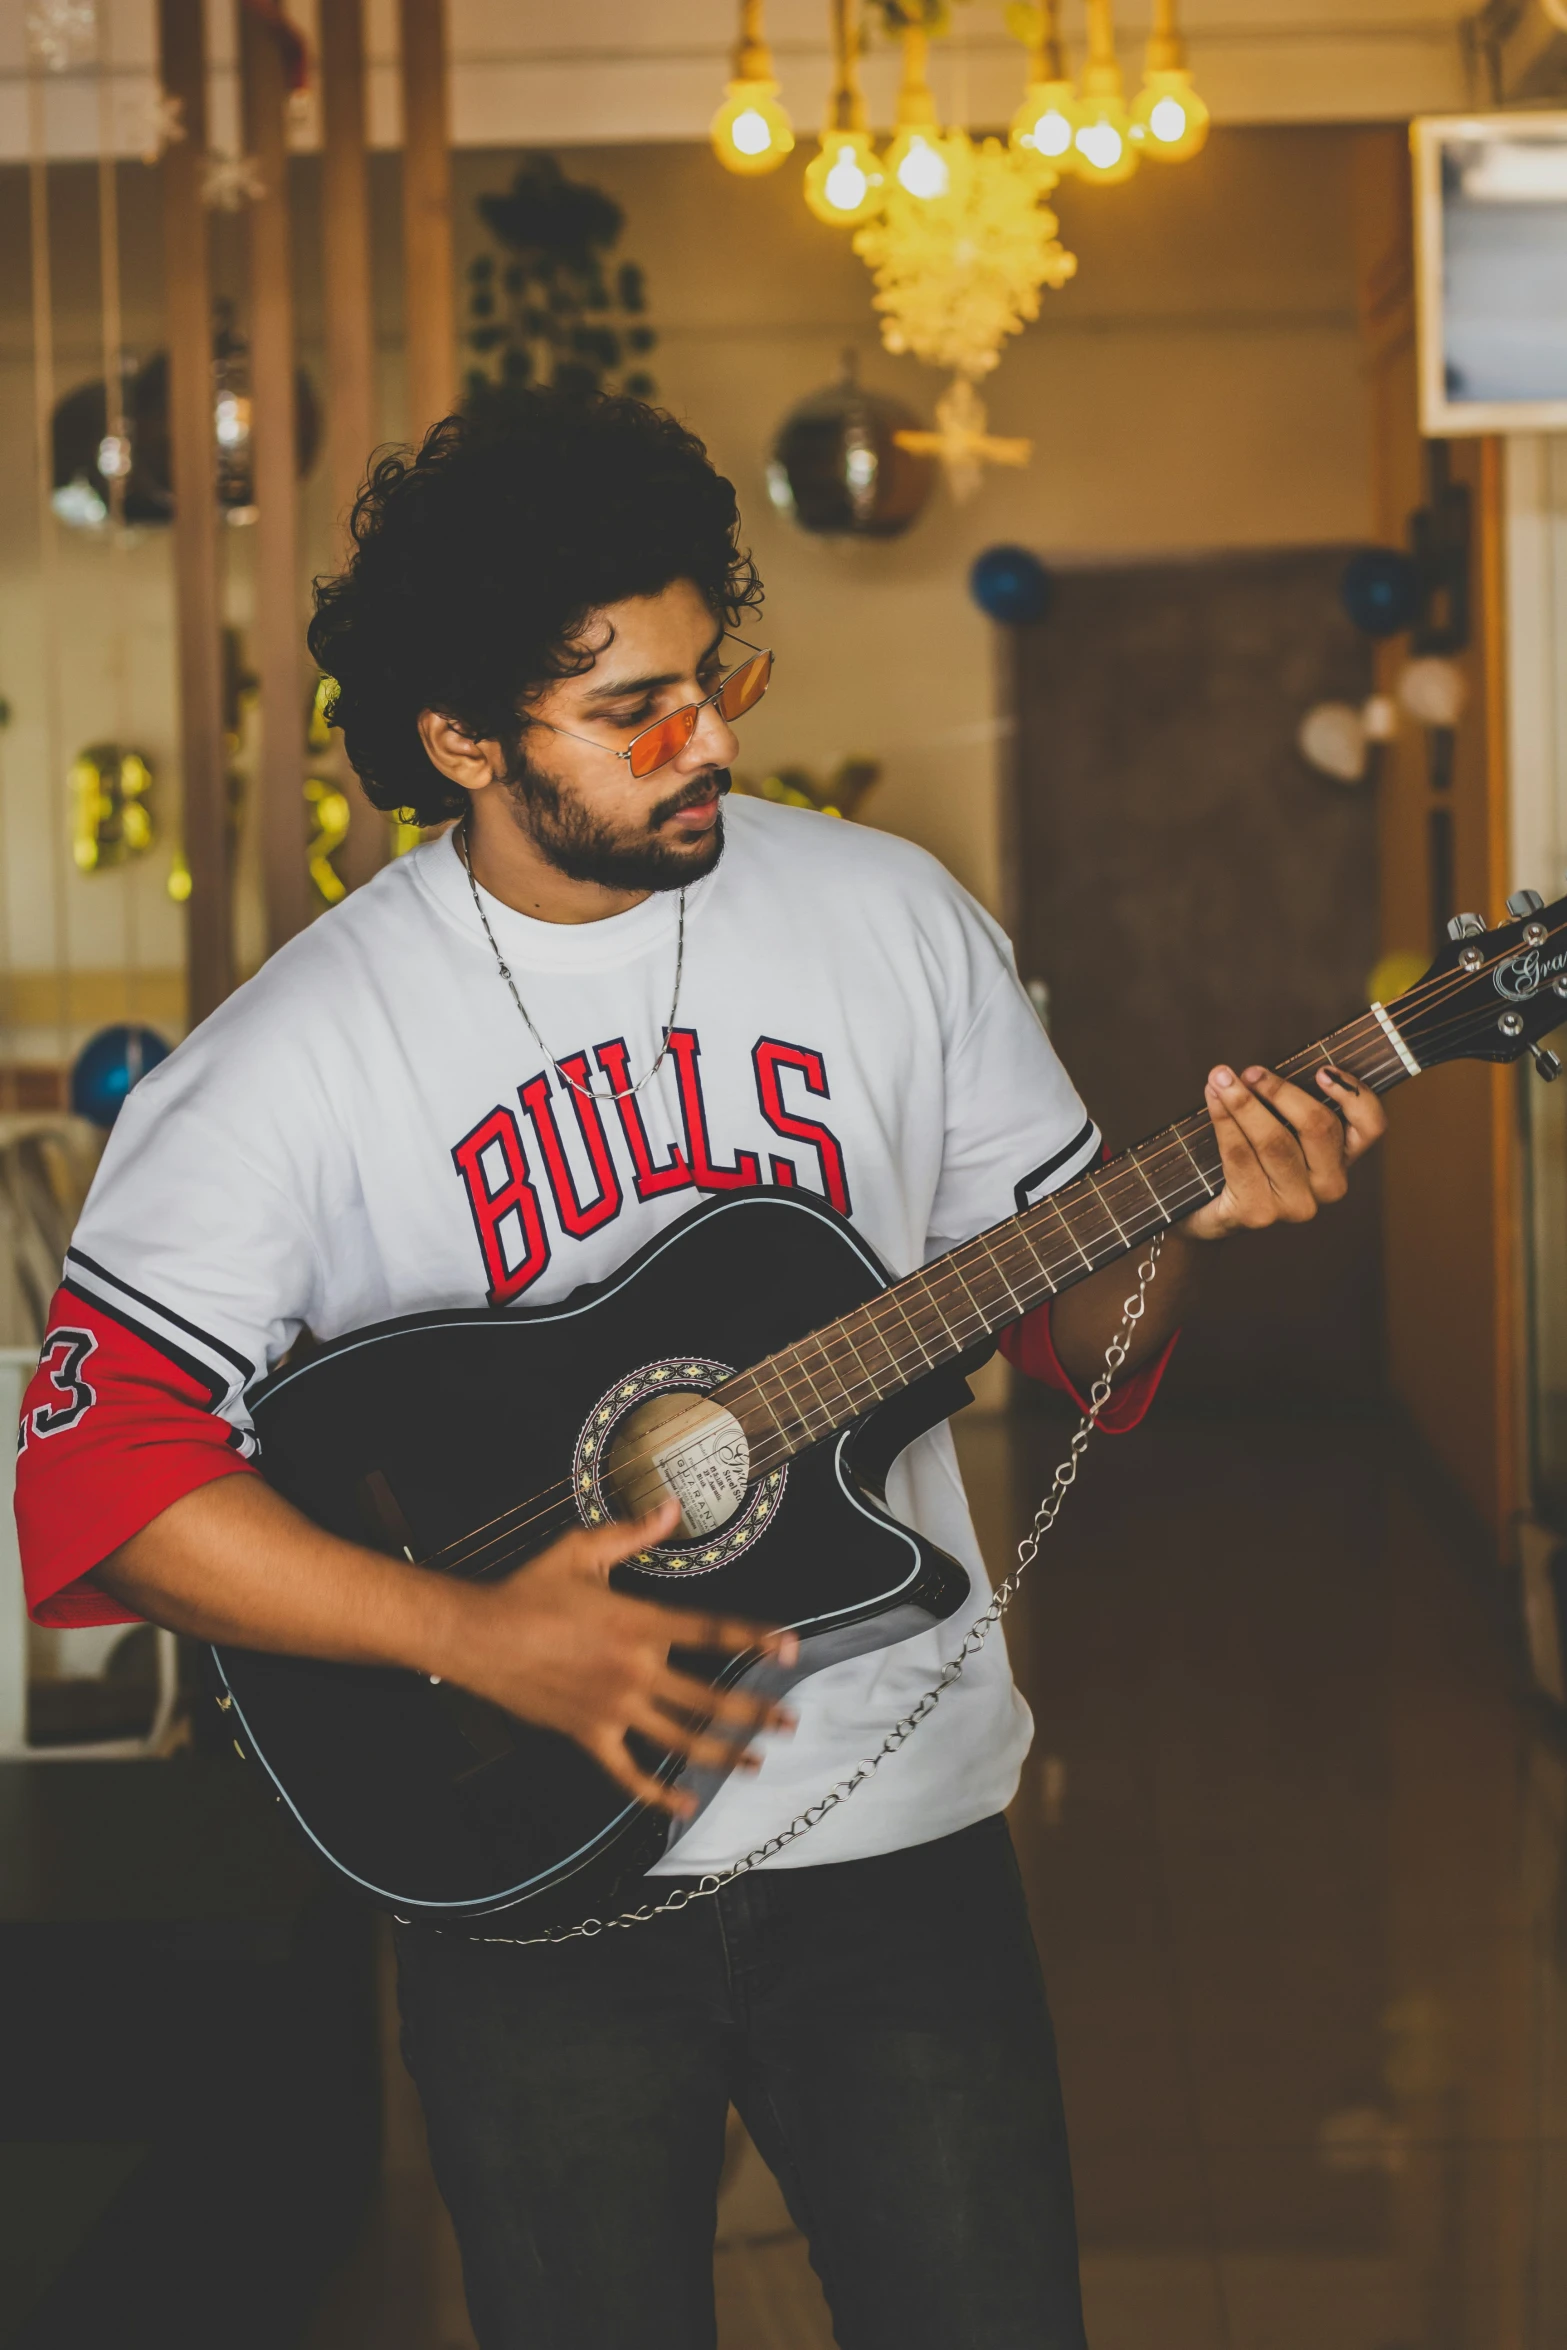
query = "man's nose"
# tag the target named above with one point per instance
(713, 742)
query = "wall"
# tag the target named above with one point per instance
(1197, 386)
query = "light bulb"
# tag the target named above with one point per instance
(1102, 143)
(916, 162)
(844, 184)
(1043, 125)
(751, 132)
(1169, 120)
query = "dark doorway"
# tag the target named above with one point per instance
(1189, 890)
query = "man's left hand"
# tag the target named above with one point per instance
(1285, 1153)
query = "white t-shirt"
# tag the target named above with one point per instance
(337, 1145)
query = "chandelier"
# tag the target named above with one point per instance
(957, 234)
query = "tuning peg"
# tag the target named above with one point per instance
(1546, 1062)
(1465, 926)
(1524, 901)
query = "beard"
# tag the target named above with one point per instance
(585, 848)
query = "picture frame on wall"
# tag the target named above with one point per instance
(1490, 209)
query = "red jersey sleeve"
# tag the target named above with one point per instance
(121, 1418)
(1030, 1348)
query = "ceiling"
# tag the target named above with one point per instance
(581, 72)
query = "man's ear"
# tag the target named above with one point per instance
(462, 760)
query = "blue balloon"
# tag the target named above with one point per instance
(1380, 590)
(1011, 585)
(108, 1065)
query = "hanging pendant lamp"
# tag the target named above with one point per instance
(751, 133)
(1045, 125)
(845, 183)
(1169, 120)
(1102, 144)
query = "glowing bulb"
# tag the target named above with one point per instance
(1169, 120)
(751, 132)
(1043, 125)
(844, 184)
(1102, 143)
(1103, 149)
(922, 170)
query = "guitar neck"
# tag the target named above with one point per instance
(831, 1378)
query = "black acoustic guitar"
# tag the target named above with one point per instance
(755, 1361)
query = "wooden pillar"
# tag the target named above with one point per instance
(198, 589)
(1450, 1175)
(278, 633)
(429, 329)
(350, 330)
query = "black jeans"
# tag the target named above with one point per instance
(881, 2025)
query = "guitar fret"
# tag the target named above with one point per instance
(818, 1339)
(832, 1376)
(984, 1242)
(1105, 1204)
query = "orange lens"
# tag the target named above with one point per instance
(663, 742)
(745, 688)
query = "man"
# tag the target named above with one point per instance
(493, 1074)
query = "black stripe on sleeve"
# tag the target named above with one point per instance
(193, 1367)
(1032, 1183)
(241, 1363)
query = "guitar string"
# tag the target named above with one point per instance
(714, 1880)
(557, 1502)
(509, 1526)
(557, 1499)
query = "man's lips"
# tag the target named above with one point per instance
(698, 817)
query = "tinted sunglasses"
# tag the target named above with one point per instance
(739, 690)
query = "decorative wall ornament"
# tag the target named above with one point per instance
(958, 272)
(843, 463)
(96, 468)
(555, 308)
(163, 124)
(962, 443)
(230, 182)
(111, 807)
(1011, 585)
(61, 33)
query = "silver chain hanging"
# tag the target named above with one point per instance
(589, 1093)
(682, 1896)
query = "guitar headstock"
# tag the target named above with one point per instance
(1491, 994)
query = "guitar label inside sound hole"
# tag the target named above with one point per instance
(706, 1467)
(656, 1435)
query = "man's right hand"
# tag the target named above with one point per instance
(233, 1562)
(555, 1645)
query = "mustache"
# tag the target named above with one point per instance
(691, 795)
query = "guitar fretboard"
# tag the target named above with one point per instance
(831, 1378)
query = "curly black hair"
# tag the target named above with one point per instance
(478, 559)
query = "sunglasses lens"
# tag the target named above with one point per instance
(746, 687)
(663, 742)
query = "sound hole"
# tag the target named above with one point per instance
(683, 1447)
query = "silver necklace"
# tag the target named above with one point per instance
(588, 1092)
